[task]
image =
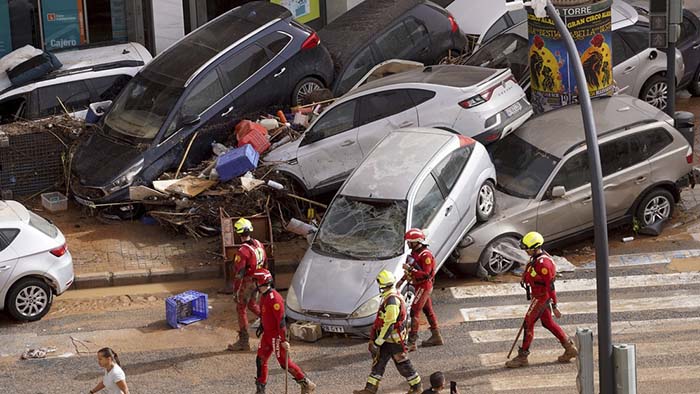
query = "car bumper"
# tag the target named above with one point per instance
(90, 201)
(61, 273)
(505, 123)
(359, 326)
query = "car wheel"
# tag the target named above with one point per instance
(29, 299)
(409, 295)
(655, 92)
(694, 86)
(497, 258)
(303, 88)
(656, 206)
(485, 201)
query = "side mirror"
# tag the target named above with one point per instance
(653, 55)
(558, 191)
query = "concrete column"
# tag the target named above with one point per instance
(134, 21)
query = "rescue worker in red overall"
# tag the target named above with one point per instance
(249, 257)
(274, 335)
(387, 338)
(540, 273)
(420, 272)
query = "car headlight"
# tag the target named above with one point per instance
(126, 178)
(369, 308)
(292, 301)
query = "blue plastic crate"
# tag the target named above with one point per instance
(236, 162)
(186, 308)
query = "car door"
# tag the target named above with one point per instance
(355, 70)
(394, 43)
(435, 213)
(689, 43)
(274, 82)
(382, 112)
(625, 65)
(329, 150)
(8, 256)
(626, 172)
(421, 40)
(562, 216)
(244, 73)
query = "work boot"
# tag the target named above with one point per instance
(259, 388)
(412, 339)
(569, 352)
(307, 386)
(520, 360)
(369, 389)
(415, 389)
(242, 345)
(434, 340)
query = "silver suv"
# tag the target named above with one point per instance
(544, 178)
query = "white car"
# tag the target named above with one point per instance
(485, 104)
(426, 178)
(88, 76)
(35, 264)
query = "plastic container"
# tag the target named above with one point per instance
(246, 126)
(186, 308)
(255, 138)
(54, 201)
(236, 162)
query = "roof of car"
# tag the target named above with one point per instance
(182, 60)
(556, 132)
(449, 75)
(353, 29)
(12, 211)
(390, 169)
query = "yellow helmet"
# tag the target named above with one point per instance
(532, 240)
(385, 279)
(243, 225)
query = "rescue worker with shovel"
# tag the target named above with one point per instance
(539, 275)
(387, 338)
(249, 257)
(420, 272)
(274, 336)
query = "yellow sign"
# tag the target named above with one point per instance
(303, 11)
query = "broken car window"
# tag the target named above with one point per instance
(428, 201)
(362, 229)
(521, 168)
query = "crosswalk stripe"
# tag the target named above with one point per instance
(571, 285)
(541, 356)
(684, 301)
(515, 382)
(618, 328)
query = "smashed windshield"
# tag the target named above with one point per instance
(362, 229)
(522, 168)
(141, 109)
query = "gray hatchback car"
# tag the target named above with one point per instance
(544, 178)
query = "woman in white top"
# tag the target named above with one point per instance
(114, 381)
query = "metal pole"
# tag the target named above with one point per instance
(605, 367)
(671, 78)
(584, 378)
(625, 369)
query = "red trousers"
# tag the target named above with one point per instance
(424, 303)
(539, 310)
(267, 345)
(246, 301)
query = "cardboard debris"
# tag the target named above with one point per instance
(162, 186)
(140, 193)
(190, 186)
(250, 184)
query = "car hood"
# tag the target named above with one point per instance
(99, 160)
(283, 153)
(339, 286)
(508, 206)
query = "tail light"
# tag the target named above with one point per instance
(485, 95)
(465, 141)
(453, 23)
(311, 42)
(60, 251)
(689, 155)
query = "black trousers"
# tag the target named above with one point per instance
(392, 351)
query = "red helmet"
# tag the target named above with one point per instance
(415, 235)
(262, 277)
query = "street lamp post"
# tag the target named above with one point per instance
(605, 367)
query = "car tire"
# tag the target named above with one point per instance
(485, 201)
(496, 263)
(29, 299)
(304, 87)
(655, 91)
(657, 205)
(694, 86)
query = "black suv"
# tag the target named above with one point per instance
(248, 59)
(379, 30)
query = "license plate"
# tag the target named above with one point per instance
(336, 329)
(513, 109)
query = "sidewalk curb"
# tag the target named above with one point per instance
(94, 280)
